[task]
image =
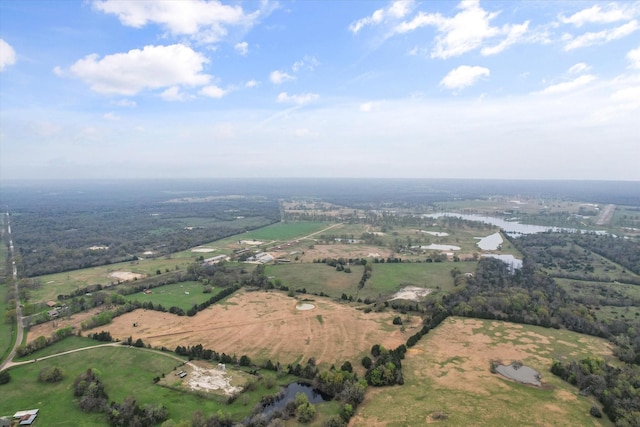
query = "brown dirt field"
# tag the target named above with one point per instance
(267, 325)
(46, 329)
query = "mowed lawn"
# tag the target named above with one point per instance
(183, 295)
(447, 374)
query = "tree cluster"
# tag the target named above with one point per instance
(617, 388)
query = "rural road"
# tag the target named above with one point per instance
(7, 362)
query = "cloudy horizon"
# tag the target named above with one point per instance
(400, 89)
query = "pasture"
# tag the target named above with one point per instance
(267, 325)
(390, 277)
(447, 375)
(183, 295)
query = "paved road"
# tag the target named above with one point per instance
(20, 326)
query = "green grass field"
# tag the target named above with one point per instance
(447, 372)
(69, 343)
(385, 280)
(183, 295)
(316, 278)
(125, 371)
(388, 278)
(285, 230)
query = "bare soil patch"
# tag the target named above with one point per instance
(203, 250)
(202, 376)
(267, 325)
(411, 293)
(126, 275)
(345, 251)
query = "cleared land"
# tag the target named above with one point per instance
(447, 372)
(267, 325)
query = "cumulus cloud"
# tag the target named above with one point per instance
(7, 54)
(596, 15)
(242, 48)
(579, 68)
(397, 10)
(301, 99)
(213, 91)
(173, 94)
(464, 76)
(515, 33)
(278, 77)
(308, 62)
(634, 58)
(125, 103)
(601, 37)
(152, 67)
(205, 21)
(570, 85)
(466, 31)
(252, 83)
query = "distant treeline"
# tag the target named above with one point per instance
(59, 238)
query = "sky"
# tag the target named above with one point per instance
(333, 88)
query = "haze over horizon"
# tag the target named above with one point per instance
(385, 89)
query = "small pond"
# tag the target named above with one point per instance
(522, 374)
(288, 394)
(490, 243)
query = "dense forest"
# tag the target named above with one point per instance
(61, 238)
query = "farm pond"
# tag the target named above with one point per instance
(522, 374)
(288, 395)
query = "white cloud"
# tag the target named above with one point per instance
(213, 91)
(579, 68)
(242, 48)
(570, 85)
(397, 10)
(466, 31)
(464, 76)
(252, 83)
(7, 54)
(301, 99)
(601, 37)
(111, 116)
(366, 107)
(278, 77)
(173, 94)
(150, 68)
(125, 103)
(514, 35)
(634, 58)
(596, 15)
(205, 21)
(308, 62)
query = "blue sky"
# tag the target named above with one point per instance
(412, 89)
